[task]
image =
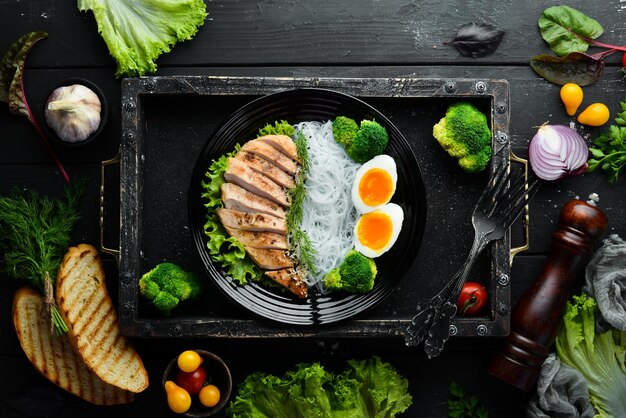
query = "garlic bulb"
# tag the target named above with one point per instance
(73, 112)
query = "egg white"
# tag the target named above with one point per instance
(383, 162)
(396, 214)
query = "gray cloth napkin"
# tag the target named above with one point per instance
(561, 393)
(606, 283)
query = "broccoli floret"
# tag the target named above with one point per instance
(168, 284)
(344, 130)
(332, 280)
(355, 274)
(464, 134)
(370, 140)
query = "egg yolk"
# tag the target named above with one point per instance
(374, 230)
(375, 187)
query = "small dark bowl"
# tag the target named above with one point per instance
(52, 135)
(217, 373)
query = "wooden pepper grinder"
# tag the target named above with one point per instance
(536, 317)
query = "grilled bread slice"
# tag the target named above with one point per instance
(54, 356)
(85, 305)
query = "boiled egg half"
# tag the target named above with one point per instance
(374, 183)
(375, 232)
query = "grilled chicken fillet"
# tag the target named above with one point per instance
(270, 259)
(237, 198)
(291, 279)
(283, 144)
(258, 239)
(261, 165)
(242, 175)
(252, 221)
(271, 154)
(256, 198)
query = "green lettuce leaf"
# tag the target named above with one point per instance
(600, 358)
(567, 30)
(281, 127)
(384, 390)
(138, 31)
(366, 389)
(223, 248)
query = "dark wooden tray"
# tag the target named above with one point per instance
(166, 122)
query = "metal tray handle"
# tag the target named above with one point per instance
(115, 252)
(526, 215)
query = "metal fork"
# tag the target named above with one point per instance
(499, 205)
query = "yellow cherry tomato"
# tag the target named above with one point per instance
(572, 97)
(189, 360)
(209, 395)
(596, 114)
(178, 399)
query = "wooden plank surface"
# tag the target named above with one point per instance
(301, 32)
(315, 38)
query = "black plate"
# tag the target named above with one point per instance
(295, 106)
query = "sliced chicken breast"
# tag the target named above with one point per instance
(282, 143)
(271, 154)
(270, 259)
(252, 221)
(290, 278)
(257, 239)
(261, 165)
(239, 199)
(241, 174)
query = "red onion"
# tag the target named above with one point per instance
(557, 151)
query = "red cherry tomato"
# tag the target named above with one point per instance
(192, 382)
(624, 60)
(472, 300)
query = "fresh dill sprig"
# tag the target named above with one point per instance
(35, 234)
(301, 241)
(302, 148)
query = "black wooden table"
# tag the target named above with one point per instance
(306, 39)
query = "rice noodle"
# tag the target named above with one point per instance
(329, 215)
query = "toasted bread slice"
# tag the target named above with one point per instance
(85, 305)
(54, 356)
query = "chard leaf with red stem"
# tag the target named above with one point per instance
(12, 85)
(568, 30)
(477, 40)
(582, 69)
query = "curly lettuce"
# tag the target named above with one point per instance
(223, 248)
(599, 357)
(366, 389)
(138, 31)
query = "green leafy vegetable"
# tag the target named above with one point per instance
(569, 33)
(223, 248)
(575, 67)
(35, 233)
(281, 127)
(600, 358)
(12, 74)
(138, 31)
(567, 30)
(366, 389)
(463, 405)
(12, 85)
(609, 151)
(298, 238)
